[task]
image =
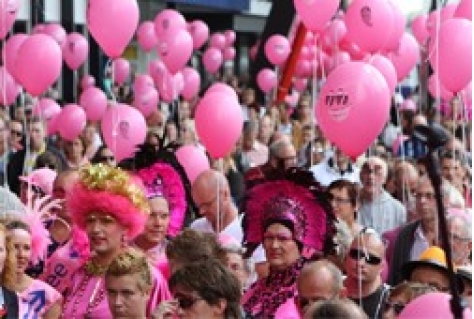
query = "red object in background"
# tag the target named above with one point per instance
(289, 70)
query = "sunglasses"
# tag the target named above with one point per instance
(187, 302)
(369, 258)
(396, 306)
(107, 158)
(17, 133)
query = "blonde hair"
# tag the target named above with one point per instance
(132, 261)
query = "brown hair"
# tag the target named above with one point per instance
(411, 290)
(351, 188)
(192, 246)
(212, 281)
(9, 269)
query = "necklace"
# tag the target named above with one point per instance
(97, 296)
(93, 269)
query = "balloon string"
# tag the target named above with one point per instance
(114, 103)
(220, 164)
(314, 96)
(4, 96)
(108, 65)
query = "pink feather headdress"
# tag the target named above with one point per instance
(161, 180)
(37, 211)
(294, 199)
(108, 190)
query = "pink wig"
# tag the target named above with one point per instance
(111, 191)
(161, 180)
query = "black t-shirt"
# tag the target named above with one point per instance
(373, 304)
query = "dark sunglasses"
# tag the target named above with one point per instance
(396, 306)
(107, 158)
(369, 258)
(17, 133)
(187, 302)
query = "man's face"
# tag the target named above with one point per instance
(460, 241)
(15, 132)
(37, 135)
(451, 169)
(313, 287)
(286, 157)
(431, 276)
(248, 96)
(126, 299)
(372, 176)
(425, 200)
(364, 260)
(206, 202)
(266, 128)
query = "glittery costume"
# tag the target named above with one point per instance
(293, 199)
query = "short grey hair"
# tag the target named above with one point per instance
(315, 267)
(276, 147)
(465, 221)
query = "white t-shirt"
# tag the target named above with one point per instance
(234, 229)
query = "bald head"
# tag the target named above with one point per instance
(210, 180)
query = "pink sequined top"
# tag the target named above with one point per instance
(34, 301)
(87, 296)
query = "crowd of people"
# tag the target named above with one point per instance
(285, 226)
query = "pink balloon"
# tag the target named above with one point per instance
(406, 57)
(266, 80)
(437, 17)
(121, 70)
(300, 84)
(123, 128)
(353, 93)
(292, 99)
(75, 50)
(385, 66)
(55, 31)
(94, 103)
(455, 54)
(192, 83)
(39, 28)
(10, 51)
(157, 71)
(8, 12)
(212, 59)
(9, 89)
(146, 36)
(178, 82)
(218, 41)
(71, 121)
(53, 125)
(193, 160)
(277, 49)
(229, 37)
(199, 31)
(229, 54)
(366, 21)
(222, 88)
(175, 50)
(38, 63)
(142, 82)
(464, 10)
(168, 22)
(431, 305)
(335, 32)
(418, 27)
(437, 89)
(303, 68)
(167, 88)
(87, 82)
(218, 112)
(399, 22)
(316, 14)
(147, 101)
(338, 59)
(46, 109)
(112, 24)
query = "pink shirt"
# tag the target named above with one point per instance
(35, 300)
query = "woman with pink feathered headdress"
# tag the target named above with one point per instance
(293, 221)
(165, 187)
(111, 206)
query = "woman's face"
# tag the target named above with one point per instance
(21, 241)
(236, 264)
(108, 157)
(191, 305)
(281, 249)
(3, 251)
(104, 232)
(75, 149)
(158, 221)
(341, 204)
